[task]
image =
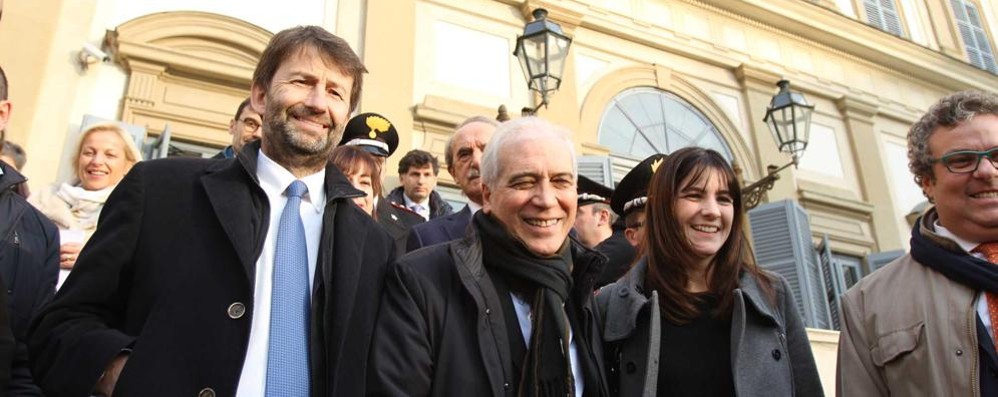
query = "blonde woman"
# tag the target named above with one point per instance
(104, 154)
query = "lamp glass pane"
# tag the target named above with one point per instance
(557, 52)
(534, 48)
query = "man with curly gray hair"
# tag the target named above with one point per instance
(926, 323)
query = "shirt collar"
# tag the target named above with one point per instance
(409, 202)
(967, 245)
(275, 178)
(474, 207)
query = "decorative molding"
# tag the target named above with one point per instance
(186, 69)
(857, 109)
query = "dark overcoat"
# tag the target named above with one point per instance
(169, 275)
(439, 230)
(441, 330)
(29, 265)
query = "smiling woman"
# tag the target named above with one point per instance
(103, 156)
(697, 292)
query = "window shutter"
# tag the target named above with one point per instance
(597, 168)
(883, 15)
(834, 284)
(878, 260)
(975, 39)
(782, 237)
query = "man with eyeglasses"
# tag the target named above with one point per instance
(926, 323)
(244, 128)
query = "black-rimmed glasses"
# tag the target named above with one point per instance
(967, 161)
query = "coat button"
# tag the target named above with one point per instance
(959, 352)
(488, 311)
(777, 354)
(236, 311)
(206, 392)
(505, 386)
(631, 368)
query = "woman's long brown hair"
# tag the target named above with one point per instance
(670, 255)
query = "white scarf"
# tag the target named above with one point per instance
(85, 205)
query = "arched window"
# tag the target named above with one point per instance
(643, 121)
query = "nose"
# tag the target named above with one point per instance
(709, 208)
(986, 169)
(316, 99)
(544, 195)
(258, 134)
(476, 158)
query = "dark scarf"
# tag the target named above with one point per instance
(547, 370)
(965, 269)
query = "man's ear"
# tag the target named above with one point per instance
(5, 108)
(631, 235)
(486, 195)
(258, 99)
(928, 187)
(604, 217)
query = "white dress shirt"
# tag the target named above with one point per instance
(473, 207)
(275, 179)
(424, 207)
(523, 315)
(968, 246)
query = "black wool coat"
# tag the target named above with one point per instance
(441, 330)
(170, 274)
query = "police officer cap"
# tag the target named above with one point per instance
(373, 133)
(591, 192)
(632, 191)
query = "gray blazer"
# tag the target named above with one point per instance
(770, 352)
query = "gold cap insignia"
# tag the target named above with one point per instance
(655, 164)
(377, 125)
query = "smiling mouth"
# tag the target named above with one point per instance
(985, 195)
(310, 122)
(542, 222)
(96, 173)
(706, 228)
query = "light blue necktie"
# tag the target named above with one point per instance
(287, 352)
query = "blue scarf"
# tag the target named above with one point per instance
(968, 270)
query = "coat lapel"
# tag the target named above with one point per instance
(242, 214)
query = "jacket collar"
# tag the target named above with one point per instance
(629, 299)
(336, 184)
(926, 224)
(9, 176)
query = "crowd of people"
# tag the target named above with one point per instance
(282, 267)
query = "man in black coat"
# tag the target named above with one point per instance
(505, 311)
(29, 266)
(175, 292)
(464, 155)
(244, 128)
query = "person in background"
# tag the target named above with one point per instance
(104, 154)
(29, 266)
(925, 324)
(506, 310)
(373, 133)
(696, 316)
(418, 172)
(592, 224)
(362, 170)
(13, 154)
(244, 128)
(628, 201)
(464, 155)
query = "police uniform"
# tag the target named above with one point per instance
(376, 135)
(629, 197)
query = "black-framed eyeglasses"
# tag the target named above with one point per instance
(250, 125)
(967, 161)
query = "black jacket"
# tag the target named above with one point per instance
(396, 220)
(441, 332)
(29, 264)
(438, 207)
(620, 255)
(170, 275)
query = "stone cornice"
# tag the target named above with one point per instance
(829, 28)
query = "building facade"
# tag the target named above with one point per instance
(642, 76)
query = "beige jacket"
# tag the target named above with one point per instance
(907, 330)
